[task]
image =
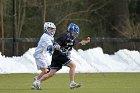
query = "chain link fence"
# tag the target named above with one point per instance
(19, 46)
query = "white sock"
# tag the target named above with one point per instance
(72, 82)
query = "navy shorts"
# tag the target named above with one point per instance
(59, 60)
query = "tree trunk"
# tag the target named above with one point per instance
(120, 17)
(44, 12)
(2, 25)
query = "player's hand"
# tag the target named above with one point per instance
(85, 41)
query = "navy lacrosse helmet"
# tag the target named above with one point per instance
(73, 28)
(73, 31)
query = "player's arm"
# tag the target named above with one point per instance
(51, 48)
(84, 41)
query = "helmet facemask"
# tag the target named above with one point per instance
(51, 31)
(72, 35)
(49, 28)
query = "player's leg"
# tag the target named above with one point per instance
(72, 67)
(41, 65)
(43, 71)
(36, 84)
(51, 73)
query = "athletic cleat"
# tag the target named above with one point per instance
(36, 85)
(75, 85)
(34, 88)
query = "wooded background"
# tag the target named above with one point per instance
(112, 24)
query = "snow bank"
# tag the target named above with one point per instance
(89, 61)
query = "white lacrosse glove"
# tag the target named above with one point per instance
(56, 46)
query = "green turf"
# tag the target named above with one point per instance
(91, 83)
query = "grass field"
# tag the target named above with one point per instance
(91, 83)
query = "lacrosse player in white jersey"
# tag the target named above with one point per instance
(44, 49)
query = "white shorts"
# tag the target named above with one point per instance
(42, 62)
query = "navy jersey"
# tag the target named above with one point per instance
(61, 57)
(65, 43)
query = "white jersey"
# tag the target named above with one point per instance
(41, 55)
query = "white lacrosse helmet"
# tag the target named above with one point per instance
(49, 25)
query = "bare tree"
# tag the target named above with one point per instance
(120, 17)
(2, 23)
(19, 17)
(44, 11)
